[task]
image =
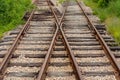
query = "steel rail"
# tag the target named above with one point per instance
(59, 25)
(103, 43)
(13, 47)
(42, 70)
(54, 14)
(71, 55)
(78, 71)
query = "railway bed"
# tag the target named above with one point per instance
(73, 47)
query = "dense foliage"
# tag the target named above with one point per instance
(102, 3)
(11, 13)
(109, 12)
(112, 6)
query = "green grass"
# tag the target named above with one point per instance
(109, 14)
(11, 13)
(113, 24)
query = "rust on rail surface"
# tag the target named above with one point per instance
(41, 75)
(71, 55)
(103, 43)
(42, 70)
(13, 47)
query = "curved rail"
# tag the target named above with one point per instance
(59, 25)
(8, 55)
(103, 43)
(41, 74)
(47, 57)
(71, 55)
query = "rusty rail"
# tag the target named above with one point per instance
(103, 43)
(78, 71)
(41, 75)
(13, 47)
(71, 55)
(43, 69)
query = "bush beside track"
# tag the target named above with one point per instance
(11, 13)
(109, 13)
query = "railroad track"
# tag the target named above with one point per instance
(68, 48)
(85, 41)
(29, 55)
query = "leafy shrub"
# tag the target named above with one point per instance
(11, 13)
(103, 3)
(109, 13)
